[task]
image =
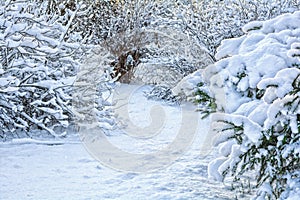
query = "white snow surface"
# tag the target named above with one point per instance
(63, 169)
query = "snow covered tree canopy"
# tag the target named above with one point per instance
(256, 83)
(151, 33)
(37, 69)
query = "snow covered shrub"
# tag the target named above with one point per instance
(86, 20)
(37, 69)
(256, 83)
(209, 22)
(169, 57)
(123, 38)
(92, 106)
(149, 45)
(126, 48)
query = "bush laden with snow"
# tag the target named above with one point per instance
(149, 45)
(209, 22)
(86, 20)
(37, 69)
(91, 102)
(256, 82)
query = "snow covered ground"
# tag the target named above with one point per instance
(37, 171)
(32, 169)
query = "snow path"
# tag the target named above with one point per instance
(36, 170)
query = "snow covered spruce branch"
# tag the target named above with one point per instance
(256, 83)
